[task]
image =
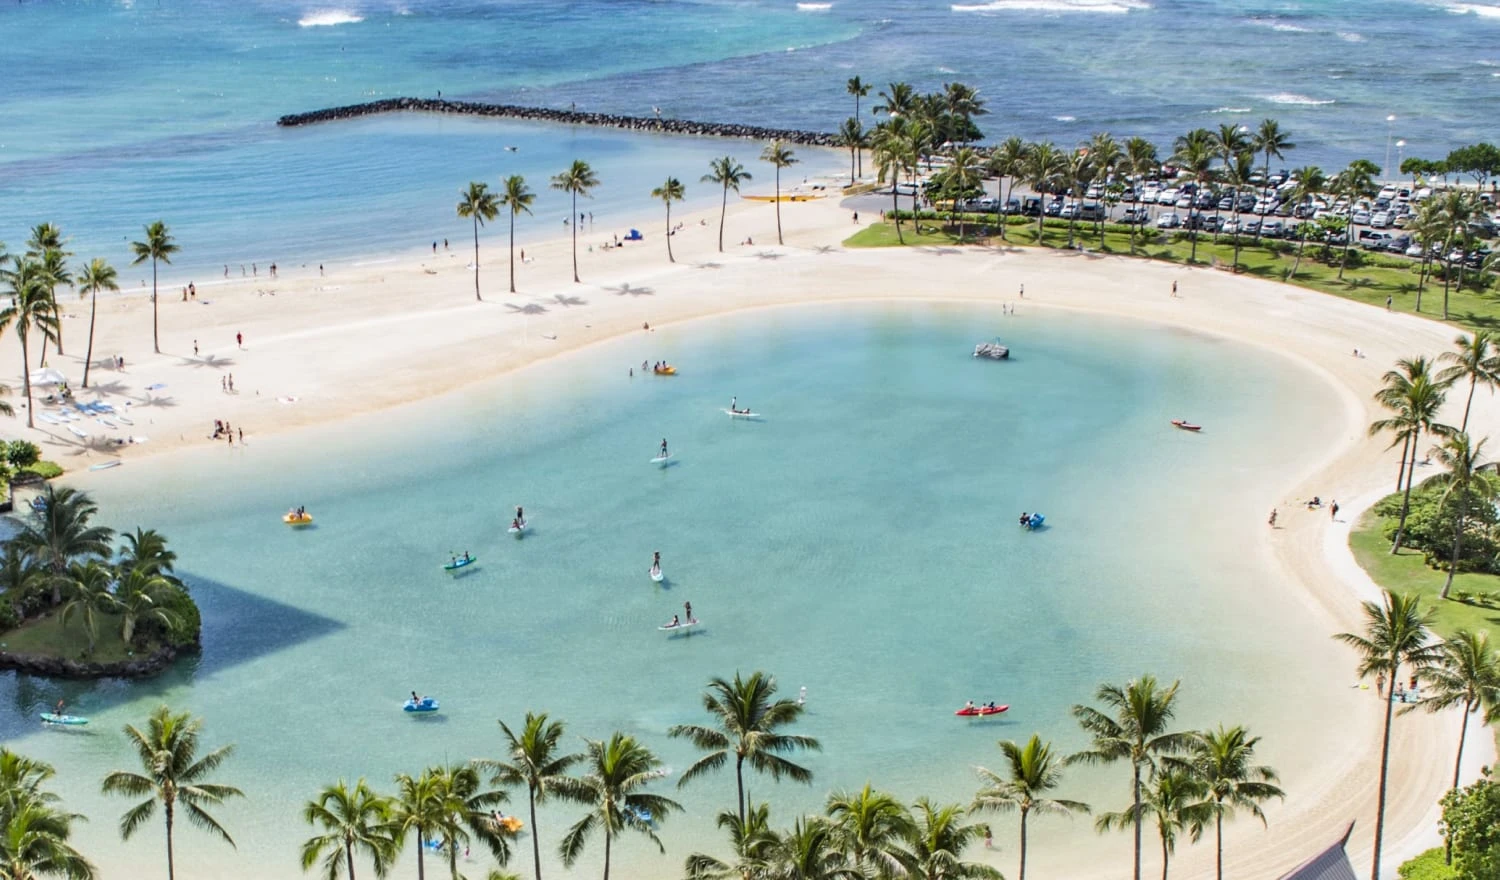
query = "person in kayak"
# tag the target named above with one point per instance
(663, 447)
(415, 700)
(58, 709)
(969, 706)
(467, 557)
(1025, 519)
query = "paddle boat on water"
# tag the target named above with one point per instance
(664, 370)
(1186, 425)
(458, 562)
(415, 705)
(63, 720)
(973, 711)
(1032, 521)
(297, 516)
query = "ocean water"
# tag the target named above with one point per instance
(117, 112)
(860, 542)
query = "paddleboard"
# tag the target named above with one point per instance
(741, 415)
(688, 625)
(662, 459)
(516, 531)
(656, 574)
(69, 720)
(104, 465)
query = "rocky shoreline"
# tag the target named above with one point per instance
(650, 124)
(58, 667)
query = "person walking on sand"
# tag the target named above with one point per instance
(1174, 289)
(1333, 510)
(239, 340)
(195, 348)
(1388, 302)
(1272, 520)
(1023, 291)
(231, 381)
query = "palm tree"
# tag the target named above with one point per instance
(1043, 169)
(46, 247)
(174, 775)
(417, 809)
(619, 770)
(136, 599)
(1396, 635)
(1416, 397)
(357, 819)
(779, 155)
(478, 204)
(729, 174)
(1353, 183)
(518, 198)
(1223, 760)
(1269, 140)
(60, 532)
(962, 178)
(147, 551)
(1310, 183)
(871, 827)
(1137, 732)
(1031, 772)
(1464, 479)
(890, 150)
(34, 844)
(1466, 674)
(669, 192)
(1105, 155)
(810, 851)
(1194, 152)
(1476, 358)
(97, 275)
(535, 761)
(898, 99)
(21, 780)
(30, 309)
(1140, 160)
(938, 841)
(1175, 801)
(851, 135)
(578, 180)
(465, 812)
(1078, 173)
(747, 724)
(859, 89)
(962, 103)
(752, 842)
(89, 594)
(1006, 163)
(158, 247)
(1238, 174)
(1455, 209)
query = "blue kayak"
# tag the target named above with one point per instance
(456, 564)
(428, 704)
(69, 720)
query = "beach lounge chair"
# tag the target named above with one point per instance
(49, 418)
(78, 432)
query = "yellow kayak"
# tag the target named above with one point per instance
(293, 519)
(665, 371)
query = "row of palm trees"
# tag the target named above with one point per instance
(479, 204)
(31, 281)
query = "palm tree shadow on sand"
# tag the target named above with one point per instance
(826, 249)
(564, 300)
(941, 251)
(768, 255)
(209, 361)
(624, 289)
(708, 264)
(528, 309)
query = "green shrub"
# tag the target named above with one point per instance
(1427, 866)
(46, 470)
(22, 453)
(9, 616)
(185, 633)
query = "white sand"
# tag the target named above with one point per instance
(374, 335)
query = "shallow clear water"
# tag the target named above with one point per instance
(117, 113)
(860, 541)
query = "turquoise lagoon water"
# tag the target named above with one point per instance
(860, 542)
(117, 112)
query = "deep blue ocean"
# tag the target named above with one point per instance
(116, 113)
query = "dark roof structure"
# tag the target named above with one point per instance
(1330, 864)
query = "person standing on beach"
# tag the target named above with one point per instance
(1174, 289)
(1388, 302)
(239, 340)
(195, 348)
(1023, 291)
(1333, 510)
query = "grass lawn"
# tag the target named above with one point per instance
(46, 637)
(1407, 572)
(1379, 276)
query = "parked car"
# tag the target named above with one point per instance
(1168, 196)
(1091, 211)
(1070, 211)
(1273, 229)
(1054, 208)
(1132, 216)
(1031, 207)
(1381, 219)
(1169, 220)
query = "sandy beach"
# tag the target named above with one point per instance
(361, 337)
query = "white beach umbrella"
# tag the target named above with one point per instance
(48, 376)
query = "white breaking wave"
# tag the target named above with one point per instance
(814, 7)
(1066, 118)
(1116, 7)
(1483, 10)
(1277, 24)
(329, 18)
(1351, 37)
(949, 70)
(1230, 110)
(1290, 98)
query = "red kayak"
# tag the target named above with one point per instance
(1186, 425)
(970, 711)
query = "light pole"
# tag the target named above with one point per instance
(1389, 121)
(1400, 155)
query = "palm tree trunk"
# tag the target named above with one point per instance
(1023, 845)
(1136, 815)
(1219, 844)
(171, 869)
(1464, 426)
(851, 164)
(421, 865)
(1165, 857)
(1411, 474)
(856, 145)
(349, 858)
(896, 209)
(608, 839)
(778, 205)
(739, 784)
(93, 309)
(1301, 243)
(1401, 469)
(1458, 537)
(512, 251)
(670, 258)
(1385, 757)
(26, 374)
(536, 841)
(452, 859)
(1458, 762)
(1005, 205)
(574, 223)
(477, 297)
(155, 327)
(723, 209)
